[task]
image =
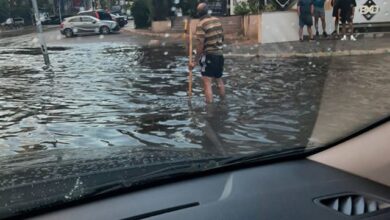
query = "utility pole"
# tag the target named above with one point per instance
(40, 35)
(59, 10)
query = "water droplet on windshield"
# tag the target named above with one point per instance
(166, 35)
(35, 40)
(166, 53)
(310, 63)
(101, 36)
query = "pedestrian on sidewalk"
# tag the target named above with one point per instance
(305, 13)
(335, 15)
(346, 13)
(209, 52)
(319, 12)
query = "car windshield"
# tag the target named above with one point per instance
(182, 88)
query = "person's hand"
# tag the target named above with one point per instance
(191, 65)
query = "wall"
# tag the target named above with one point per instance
(251, 26)
(279, 27)
(231, 24)
(161, 26)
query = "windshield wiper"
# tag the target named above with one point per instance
(264, 156)
(181, 170)
(166, 173)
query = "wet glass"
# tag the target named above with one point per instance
(108, 97)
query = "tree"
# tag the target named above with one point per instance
(141, 13)
(161, 9)
(4, 10)
(242, 8)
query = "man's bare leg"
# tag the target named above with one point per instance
(221, 88)
(300, 33)
(208, 92)
(310, 33)
(344, 28)
(351, 28)
(323, 22)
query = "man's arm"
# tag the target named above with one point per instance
(200, 35)
(312, 9)
(353, 8)
(199, 50)
(299, 8)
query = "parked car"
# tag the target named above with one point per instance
(77, 25)
(7, 23)
(18, 21)
(55, 20)
(122, 20)
(11, 23)
(99, 14)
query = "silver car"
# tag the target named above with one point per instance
(87, 24)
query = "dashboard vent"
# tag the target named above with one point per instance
(354, 204)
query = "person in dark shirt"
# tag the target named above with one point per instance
(305, 13)
(346, 9)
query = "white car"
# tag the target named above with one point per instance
(87, 24)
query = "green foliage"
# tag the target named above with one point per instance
(188, 7)
(254, 6)
(141, 13)
(161, 9)
(105, 4)
(4, 10)
(269, 8)
(242, 8)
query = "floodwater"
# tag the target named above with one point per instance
(106, 95)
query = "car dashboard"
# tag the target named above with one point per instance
(300, 189)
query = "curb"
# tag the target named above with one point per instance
(27, 30)
(317, 54)
(173, 36)
(150, 34)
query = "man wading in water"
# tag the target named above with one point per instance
(209, 44)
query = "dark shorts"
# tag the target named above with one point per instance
(319, 12)
(212, 65)
(335, 12)
(305, 19)
(346, 17)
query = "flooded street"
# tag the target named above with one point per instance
(102, 93)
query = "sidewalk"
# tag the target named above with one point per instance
(365, 45)
(369, 43)
(24, 30)
(172, 36)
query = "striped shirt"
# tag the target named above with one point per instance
(209, 31)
